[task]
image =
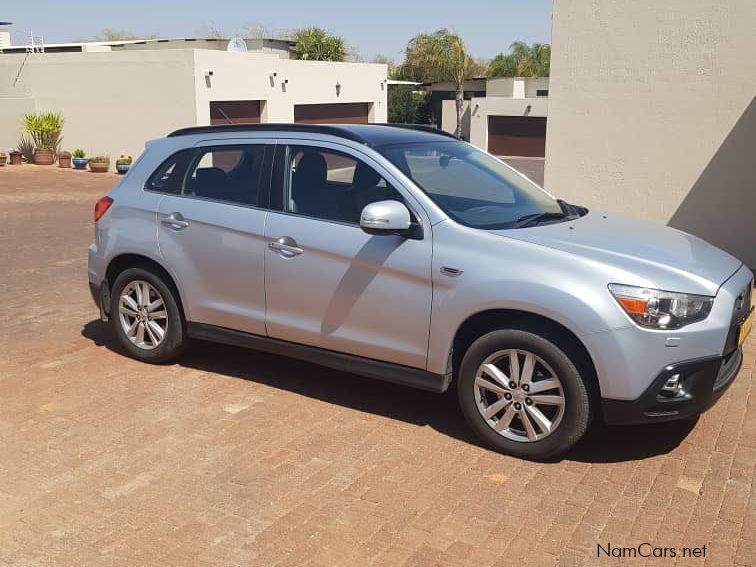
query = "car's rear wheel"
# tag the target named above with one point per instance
(522, 394)
(146, 317)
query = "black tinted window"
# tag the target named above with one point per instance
(169, 176)
(227, 173)
(331, 185)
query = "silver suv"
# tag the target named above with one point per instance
(407, 255)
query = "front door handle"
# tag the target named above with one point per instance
(175, 221)
(286, 245)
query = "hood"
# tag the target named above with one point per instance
(654, 254)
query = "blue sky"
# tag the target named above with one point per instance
(488, 26)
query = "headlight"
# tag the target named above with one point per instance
(657, 309)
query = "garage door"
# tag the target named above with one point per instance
(517, 136)
(340, 113)
(235, 112)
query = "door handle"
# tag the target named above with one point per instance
(175, 221)
(286, 245)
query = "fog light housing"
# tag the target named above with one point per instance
(673, 387)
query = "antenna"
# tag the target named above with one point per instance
(237, 45)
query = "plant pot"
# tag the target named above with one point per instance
(3, 159)
(80, 162)
(99, 166)
(64, 161)
(15, 158)
(43, 156)
(122, 167)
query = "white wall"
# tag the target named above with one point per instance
(449, 117)
(245, 76)
(652, 113)
(111, 102)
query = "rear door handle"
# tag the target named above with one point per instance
(286, 245)
(175, 221)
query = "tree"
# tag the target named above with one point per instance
(316, 44)
(211, 31)
(523, 60)
(441, 56)
(407, 105)
(109, 34)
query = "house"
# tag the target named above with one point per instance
(506, 117)
(652, 114)
(114, 98)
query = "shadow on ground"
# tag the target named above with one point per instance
(602, 444)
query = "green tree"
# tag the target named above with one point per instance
(316, 44)
(440, 56)
(407, 105)
(523, 60)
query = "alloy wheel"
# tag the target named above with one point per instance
(142, 313)
(519, 395)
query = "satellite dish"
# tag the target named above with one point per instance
(237, 45)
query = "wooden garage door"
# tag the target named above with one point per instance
(339, 113)
(517, 136)
(235, 112)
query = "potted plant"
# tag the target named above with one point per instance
(25, 146)
(15, 156)
(123, 164)
(99, 164)
(64, 160)
(80, 159)
(44, 128)
(3, 158)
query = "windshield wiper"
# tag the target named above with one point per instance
(528, 220)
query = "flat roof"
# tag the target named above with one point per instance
(118, 42)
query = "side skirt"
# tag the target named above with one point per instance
(389, 372)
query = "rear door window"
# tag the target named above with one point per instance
(233, 174)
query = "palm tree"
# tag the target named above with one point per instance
(441, 56)
(523, 60)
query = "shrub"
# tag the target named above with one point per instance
(45, 129)
(26, 147)
(79, 153)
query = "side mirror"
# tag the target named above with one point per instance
(385, 217)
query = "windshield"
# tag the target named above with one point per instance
(471, 186)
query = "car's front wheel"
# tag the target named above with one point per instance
(522, 394)
(146, 317)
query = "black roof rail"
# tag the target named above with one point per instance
(422, 128)
(313, 128)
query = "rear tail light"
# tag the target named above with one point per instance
(101, 207)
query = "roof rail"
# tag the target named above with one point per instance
(313, 128)
(422, 128)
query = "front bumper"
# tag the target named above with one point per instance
(704, 380)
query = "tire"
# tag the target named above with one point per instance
(171, 319)
(568, 420)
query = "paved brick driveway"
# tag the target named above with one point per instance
(239, 458)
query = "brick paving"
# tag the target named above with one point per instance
(232, 457)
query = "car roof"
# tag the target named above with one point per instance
(374, 135)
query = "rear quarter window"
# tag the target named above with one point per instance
(169, 176)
